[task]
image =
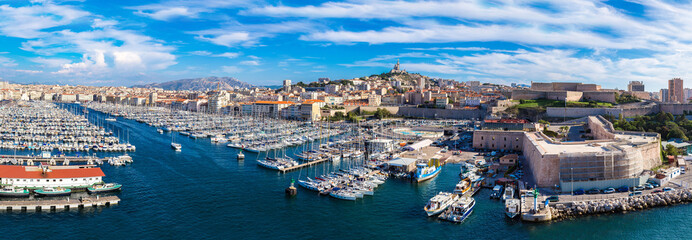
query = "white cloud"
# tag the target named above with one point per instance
(201, 53)
(30, 21)
(231, 69)
(29, 71)
(166, 14)
(7, 62)
(228, 39)
(51, 62)
(228, 55)
(250, 63)
(168, 10)
(235, 34)
(100, 23)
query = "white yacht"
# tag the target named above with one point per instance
(177, 146)
(440, 202)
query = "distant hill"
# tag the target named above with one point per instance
(199, 84)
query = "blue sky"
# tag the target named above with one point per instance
(127, 42)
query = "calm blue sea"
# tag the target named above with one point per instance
(203, 192)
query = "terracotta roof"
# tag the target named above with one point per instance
(9, 171)
(274, 102)
(311, 101)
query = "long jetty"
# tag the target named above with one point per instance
(299, 166)
(59, 204)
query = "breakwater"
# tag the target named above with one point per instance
(624, 204)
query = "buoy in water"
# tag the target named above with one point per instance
(291, 191)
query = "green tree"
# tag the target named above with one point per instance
(672, 150)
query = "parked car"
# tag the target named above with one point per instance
(579, 192)
(609, 190)
(639, 188)
(636, 193)
(553, 198)
(593, 191)
(623, 189)
(649, 186)
(657, 191)
(654, 184)
(665, 189)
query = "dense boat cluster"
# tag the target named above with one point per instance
(43, 126)
(253, 134)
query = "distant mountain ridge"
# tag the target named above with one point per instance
(199, 84)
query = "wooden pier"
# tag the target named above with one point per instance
(59, 204)
(307, 164)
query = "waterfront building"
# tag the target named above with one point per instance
(675, 91)
(608, 158)
(269, 108)
(53, 176)
(310, 109)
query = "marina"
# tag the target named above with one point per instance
(386, 203)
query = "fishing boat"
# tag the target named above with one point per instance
(459, 211)
(14, 192)
(427, 170)
(53, 192)
(512, 207)
(509, 192)
(107, 187)
(463, 186)
(439, 203)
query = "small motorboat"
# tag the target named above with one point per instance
(107, 187)
(53, 192)
(177, 146)
(14, 192)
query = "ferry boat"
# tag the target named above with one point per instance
(53, 192)
(427, 171)
(439, 203)
(108, 187)
(177, 146)
(463, 186)
(459, 211)
(512, 207)
(14, 192)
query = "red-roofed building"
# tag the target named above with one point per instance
(54, 176)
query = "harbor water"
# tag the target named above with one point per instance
(203, 192)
